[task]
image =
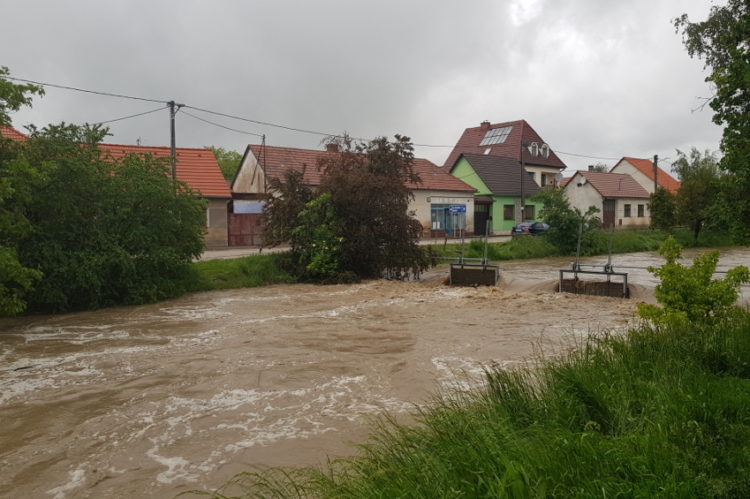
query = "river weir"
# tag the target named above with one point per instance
(154, 400)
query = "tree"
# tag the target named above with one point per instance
(229, 161)
(700, 179)
(722, 41)
(18, 182)
(361, 214)
(566, 222)
(104, 231)
(369, 188)
(287, 198)
(13, 96)
(690, 294)
(663, 208)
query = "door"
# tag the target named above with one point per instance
(608, 213)
(481, 215)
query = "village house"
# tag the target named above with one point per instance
(622, 202)
(196, 167)
(498, 181)
(199, 169)
(508, 146)
(643, 172)
(443, 204)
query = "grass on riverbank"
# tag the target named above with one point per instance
(246, 272)
(649, 414)
(623, 241)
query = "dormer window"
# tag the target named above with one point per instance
(496, 136)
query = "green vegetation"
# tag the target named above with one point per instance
(247, 272)
(356, 224)
(566, 222)
(657, 412)
(229, 161)
(623, 241)
(80, 229)
(721, 41)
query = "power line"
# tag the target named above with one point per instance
(266, 123)
(220, 125)
(128, 117)
(240, 118)
(65, 87)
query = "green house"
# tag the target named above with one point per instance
(501, 183)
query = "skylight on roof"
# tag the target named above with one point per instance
(496, 136)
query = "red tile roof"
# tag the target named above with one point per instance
(510, 148)
(611, 185)
(564, 181)
(11, 133)
(646, 166)
(278, 160)
(196, 167)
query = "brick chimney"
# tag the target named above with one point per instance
(485, 125)
(332, 147)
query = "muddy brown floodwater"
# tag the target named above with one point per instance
(153, 400)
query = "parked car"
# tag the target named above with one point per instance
(534, 228)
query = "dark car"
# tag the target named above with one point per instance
(534, 228)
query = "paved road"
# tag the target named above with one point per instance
(240, 251)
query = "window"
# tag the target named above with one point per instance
(627, 211)
(445, 220)
(509, 212)
(528, 212)
(641, 210)
(496, 136)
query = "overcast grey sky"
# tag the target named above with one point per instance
(592, 77)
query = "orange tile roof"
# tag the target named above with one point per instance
(611, 185)
(278, 160)
(196, 167)
(11, 133)
(646, 166)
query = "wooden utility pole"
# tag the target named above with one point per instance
(173, 108)
(656, 170)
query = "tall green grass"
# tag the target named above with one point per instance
(246, 272)
(647, 414)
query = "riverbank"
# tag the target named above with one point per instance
(266, 269)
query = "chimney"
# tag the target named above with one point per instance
(485, 125)
(332, 147)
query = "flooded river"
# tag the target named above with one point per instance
(153, 400)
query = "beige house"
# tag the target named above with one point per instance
(643, 172)
(622, 202)
(442, 203)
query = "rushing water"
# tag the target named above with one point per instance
(153, 400)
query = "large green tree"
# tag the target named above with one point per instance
(359, 222)
(722, 41)
(18, 183)
(104, 231)
(700, 182)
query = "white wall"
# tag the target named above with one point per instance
(250, 177)
(625, 167)
(538, 170)
(634, 221)
(583, 196)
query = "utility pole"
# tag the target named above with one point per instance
(523, 174)
(656, 169)
(173, 108)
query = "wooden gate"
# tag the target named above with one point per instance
(608, 214)
(245, 229)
